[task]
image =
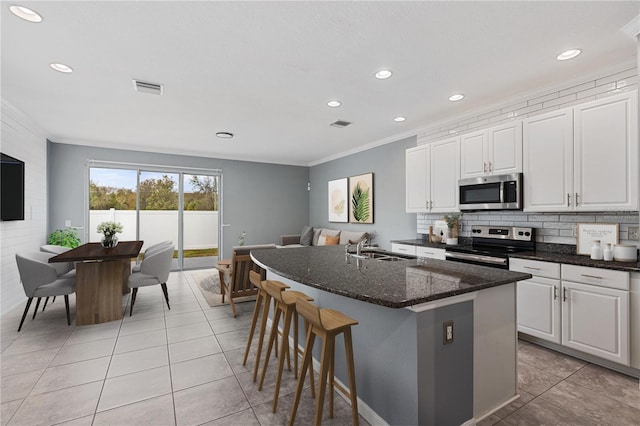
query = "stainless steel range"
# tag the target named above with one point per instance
(491, 245)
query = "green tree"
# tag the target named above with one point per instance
(107, 197)
(158, 194)
(206, 195)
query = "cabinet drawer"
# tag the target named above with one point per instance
(403, 248)
(430, 252)
(535, 267)
(596, 276)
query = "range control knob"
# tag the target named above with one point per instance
(528, 234)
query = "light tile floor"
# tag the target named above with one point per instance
(181, 366)
(184, 367)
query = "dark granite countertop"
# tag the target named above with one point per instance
(556, 253)
(574, 259)
(396, 284)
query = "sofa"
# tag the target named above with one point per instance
(321, 236)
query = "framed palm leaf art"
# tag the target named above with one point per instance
(338, 201)
(361, 198)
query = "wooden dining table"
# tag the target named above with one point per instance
(102, 276)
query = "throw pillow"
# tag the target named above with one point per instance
(306, 236)
(322, 240)
(331, 241)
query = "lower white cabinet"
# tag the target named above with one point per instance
(592, 316)
(430, 252)
(538, 301)
(403, 248)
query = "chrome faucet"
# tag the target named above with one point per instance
(346, 249)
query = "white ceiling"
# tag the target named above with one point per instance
(265, 70)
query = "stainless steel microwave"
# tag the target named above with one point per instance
(500, 192)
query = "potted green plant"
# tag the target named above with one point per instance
(452, 223)
(67, 237)
(109, 230)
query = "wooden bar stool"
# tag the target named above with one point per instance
(285, 306)
(262, 302)
(326, 323)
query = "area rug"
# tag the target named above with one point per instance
(208, 282)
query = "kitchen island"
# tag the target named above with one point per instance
(405, 371)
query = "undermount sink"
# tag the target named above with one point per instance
(380, 255)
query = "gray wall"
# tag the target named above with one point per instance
(387, 164)
(265, 200)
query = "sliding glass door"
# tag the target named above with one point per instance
(158, 210)
(156, 204)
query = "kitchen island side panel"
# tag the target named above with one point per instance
(404, 371)
(385, 353)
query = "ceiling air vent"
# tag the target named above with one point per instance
(146, 87)
(340, 123)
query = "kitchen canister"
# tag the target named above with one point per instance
(607, 252)
(596, 250)
(625, 253)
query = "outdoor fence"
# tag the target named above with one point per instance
(200, 227)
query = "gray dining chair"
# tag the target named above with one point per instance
(65, 269)
(40, 279)
(149, 251)
(154, 270)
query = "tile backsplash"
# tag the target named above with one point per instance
(555, 228)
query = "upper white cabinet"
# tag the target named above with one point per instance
(497, 150)
(548, 161)
(583, 158)
(432, 174)
(605, 173)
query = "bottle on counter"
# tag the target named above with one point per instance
(607, 252)
(596, 250)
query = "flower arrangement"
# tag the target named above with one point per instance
(109, 229)
(241, 238)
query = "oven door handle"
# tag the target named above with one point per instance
(475, 258)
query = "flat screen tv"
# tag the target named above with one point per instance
(11, 188)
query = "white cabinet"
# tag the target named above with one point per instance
(497, 150)
(587, 309)
(538, 300)
(634, 315)
(430, 252)
(548, 161)
(432, 173)
(403, 248)
(583, 158)
(417, 179)
(605, 173)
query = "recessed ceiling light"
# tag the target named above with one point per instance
(334, 104)
(568, 54)
(382, 74)
(224, 135)
(400, 119)
(25, 13)
(61, 68)
(456, 97)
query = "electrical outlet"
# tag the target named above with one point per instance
(633, 233)
(67, 223)
(447, 332)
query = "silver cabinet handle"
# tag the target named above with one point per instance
(568, 200)
(490, 166)
(577, 199)
(484, 167)
(591, 276)
(555, 292)
(531, 267)
(564, 294)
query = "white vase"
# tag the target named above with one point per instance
(452, 241)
